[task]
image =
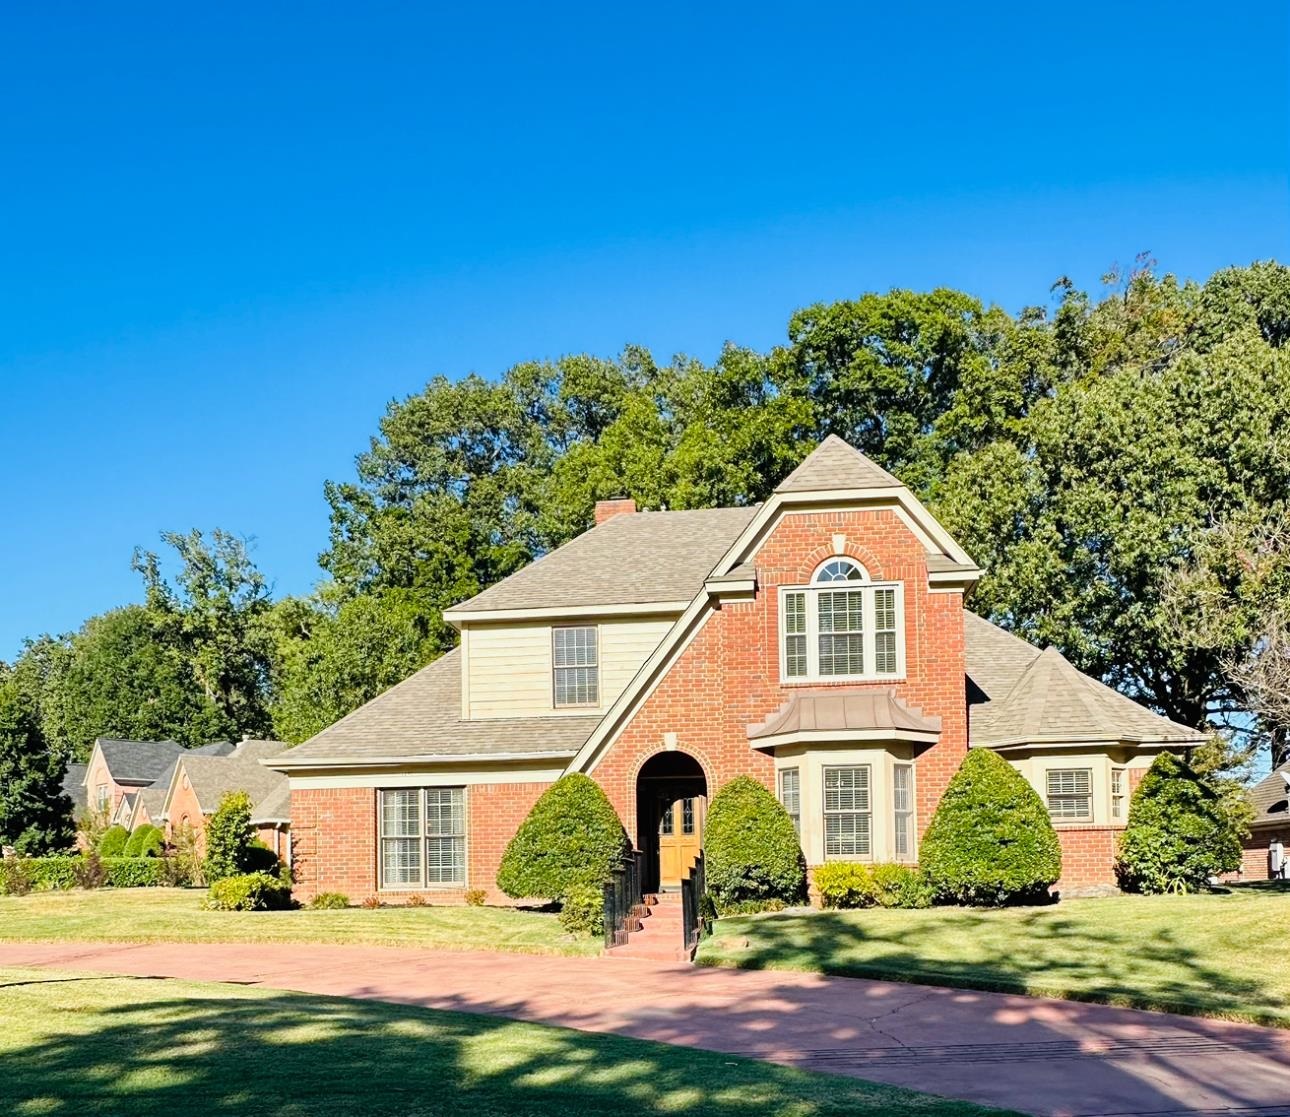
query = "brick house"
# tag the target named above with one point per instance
(817, 642)
(1269, 827)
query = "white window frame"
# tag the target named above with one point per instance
(866, 814)
(1050, 795)
(909, 816)
(867, 588)
(424, 838)
(594, 666)
(795, 811)
(1119, 781)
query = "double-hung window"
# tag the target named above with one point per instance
(790, 795)
(841, 626)
(1070, 794)
(575, 659)
(1117, 793)
(423, 836)
(902, 806)
(847, 815)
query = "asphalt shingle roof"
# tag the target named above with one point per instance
(1271, 799)
(834, 464)
(211, 777)
(137, 761)
(996, 658)
(628, 560)
(1053, 702)
(74, 785)
(421, 717)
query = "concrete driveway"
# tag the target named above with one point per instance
(1039, 1056)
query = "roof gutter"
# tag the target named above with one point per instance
(289, 764)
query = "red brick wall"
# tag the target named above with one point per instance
(1088, 856)
(333, 841)
(728, 677)
(1254, 858)
(184, 806)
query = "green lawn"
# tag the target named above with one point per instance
(1211, 955)
(176, 915)
(88, 1044)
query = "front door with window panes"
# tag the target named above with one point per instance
(680, 838)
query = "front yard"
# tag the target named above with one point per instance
(176, 915)
(1212, 955)
(146, 1047)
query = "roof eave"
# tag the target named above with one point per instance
(459, 616)
(1048, 741)
(290, 764)
(843, 737)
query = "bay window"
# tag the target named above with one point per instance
(847, 813)
(1070, 794)
(841, 626)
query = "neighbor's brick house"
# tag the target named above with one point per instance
(817, 642)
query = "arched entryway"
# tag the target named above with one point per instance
(671, 804)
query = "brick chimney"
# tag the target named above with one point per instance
(608, 509)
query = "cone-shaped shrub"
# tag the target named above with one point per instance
(572, 838)
(750, 850)
(112, 844)
(990, 841)
(1180, 832)
(145, 841)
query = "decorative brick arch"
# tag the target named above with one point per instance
(863, 555)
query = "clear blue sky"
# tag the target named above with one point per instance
(232, 233)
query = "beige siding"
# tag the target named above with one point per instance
(508, 667)
(1035, 767)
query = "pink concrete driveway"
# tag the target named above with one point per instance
(1040, 1056)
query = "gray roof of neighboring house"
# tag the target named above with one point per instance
(74, 785)
(153, 798)
(215, 748)
(834, 464)
(421, 717)
(1053, 702)
(137, 761)
(257, 749)
(274, 807)
(1271, 799)
(833, 709)
(630, 559)
(211, 777)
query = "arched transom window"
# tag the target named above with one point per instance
(842, 626)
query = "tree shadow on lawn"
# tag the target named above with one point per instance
(1048, 955)
(293, 1055)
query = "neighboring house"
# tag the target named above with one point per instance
(1270, 799)
(119, 768)
(198, 782)
(73, 787)
(817, 642)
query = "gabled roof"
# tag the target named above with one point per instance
(632, 559)
(833, 465)
(152, 799)
(1271, 799)
(274, 807)
(420, 718)
(851, 712)
(211, 777)
(1054, 703)
(137, 761)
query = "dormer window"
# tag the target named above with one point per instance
(842, 626)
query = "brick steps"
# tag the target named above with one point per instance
(660, 937)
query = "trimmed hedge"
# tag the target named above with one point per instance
(133, 872)
(19, 875)
(991, 840)
(145, 841)
(113, 841)
(752, 856)
(583, 911)
(1180, 832)
(849, 884)
(572, 838)
(249, 892)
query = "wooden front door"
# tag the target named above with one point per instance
(680, 838)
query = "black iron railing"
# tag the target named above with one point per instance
(694, 919)
(624, 902)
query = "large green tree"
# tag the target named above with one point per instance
(35, 815)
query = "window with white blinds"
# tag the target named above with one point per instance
(790, 794)
(847, 814)
(902, 806)
(841, 627)
(575, 660)
(422, 836)
(1070, 794)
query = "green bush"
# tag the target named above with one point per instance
(229, 839)
(15, 876)
(113, 842)
(990, 841)
(329, 901)
(571, 837)
(900, 886)
(133, 872)
(1180, 832)
(845, 884)
(249, 892)
(54, 873)
(145, 841)
(751, 852)
(583, 910)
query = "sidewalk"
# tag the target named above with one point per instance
(1040, 1056)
